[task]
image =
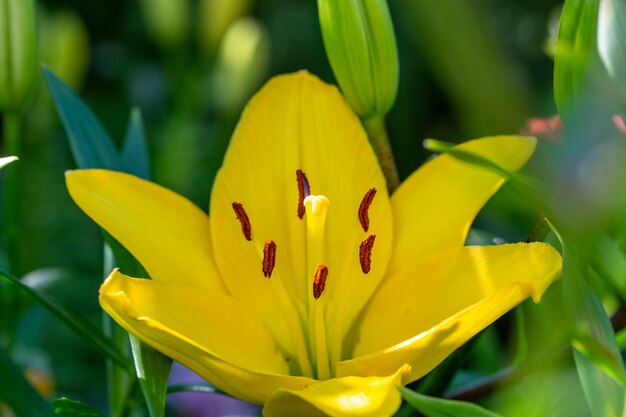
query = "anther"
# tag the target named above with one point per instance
(269, 258)
(319, 280)
(242, 216)
(364, 207)
(365, 253)
(303, 191)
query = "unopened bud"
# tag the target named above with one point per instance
(167, 20)
(361, 47)
(18, 53)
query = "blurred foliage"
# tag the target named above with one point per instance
(467, 69)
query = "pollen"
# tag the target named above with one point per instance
(269, 258)
(303, 191)
(319, 280)
(365, 253)
(242, 216)
(364, 207)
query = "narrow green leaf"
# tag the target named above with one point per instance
(82, 327)
(575, 50)
(611, 38)
(605, 395)
(17, 393)
(439, 407)
(153, 369)
(64, 407)
(205, 388)
(135, 147)
(524, 184)
(90, 143)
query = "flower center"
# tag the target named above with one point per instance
(315, 351)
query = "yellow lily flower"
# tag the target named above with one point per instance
(309, 289)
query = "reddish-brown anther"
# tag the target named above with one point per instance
(365, 253)
(364, 207)
(242, 216)
(319, 280)
(303, 191)
(269, 258)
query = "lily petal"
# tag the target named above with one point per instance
(341, 397)
(213, 334)
(167, 233)
(434, 208)
(296, 122)
(441, 301)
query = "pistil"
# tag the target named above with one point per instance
(316, 210)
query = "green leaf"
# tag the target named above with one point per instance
(7, 160)
(153, 369)
(90, 143)
(575, 50)
(611, 38)
(605, 395)
(82, 327)
(64, 407)
(439, 407)
(135, 148)
(17, 393)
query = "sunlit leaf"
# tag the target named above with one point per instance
(611, 38)
(17, 393)
(64, 407)
(87, 331)
(7, 160)
(439, 407)
(153, 369)
(576, 47)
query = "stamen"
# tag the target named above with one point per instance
(303, 191)
(365, 253)
(269, 258)
(242, 216)
(364, 207)
(319, 280)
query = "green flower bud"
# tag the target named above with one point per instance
(361, 47)
(242, 64)
(65, 45)
(18, 53)
(215, 18)
(167, 21)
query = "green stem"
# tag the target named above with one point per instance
(379, 138)
(12, 145)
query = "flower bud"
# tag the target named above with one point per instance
(18, 53)
(242, 64)
(167, 21)
(361, 47)
(65, 45)
(215, 18)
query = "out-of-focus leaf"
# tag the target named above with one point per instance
(576, 47)
(7, 160)
(87, 331)
(135, 147)
(90, 143)
(610, 263)
(611, 38)
(17, 393)
(208, 389)
(604, 395)
(154, 383)
(64, 407)
(439, 407)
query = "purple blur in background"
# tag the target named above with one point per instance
(197, 404)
